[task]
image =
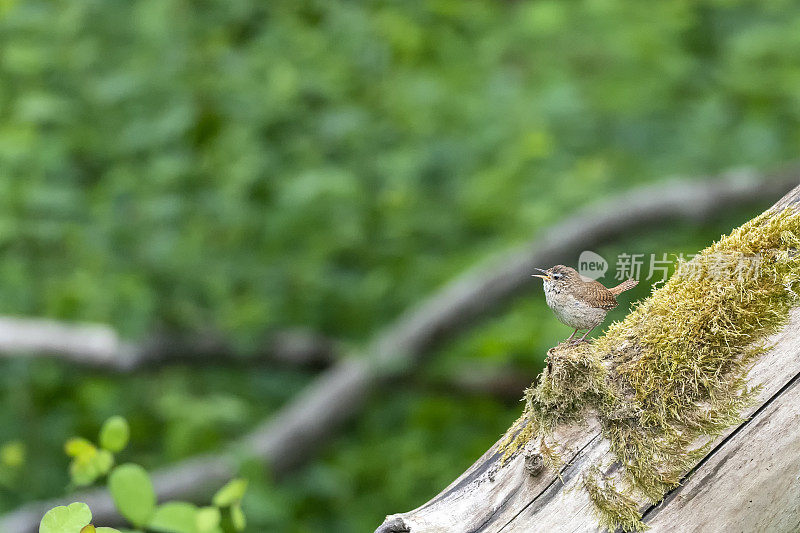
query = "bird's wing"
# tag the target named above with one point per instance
(598, 296)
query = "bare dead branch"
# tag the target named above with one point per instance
(99, 346)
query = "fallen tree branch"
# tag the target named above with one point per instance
(99, 346)
(308, 421)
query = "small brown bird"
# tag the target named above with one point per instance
(577, 303)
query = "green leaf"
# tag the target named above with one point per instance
(103, 461)
(107, 530)
(89, 462)
(77, 446)
(114, 434)
(12, 454)
(175, 517)
(208, 519)
(66, 519)
(237, 517)
(89, 529)
(83, 469)
(231, 493)
(133, 493)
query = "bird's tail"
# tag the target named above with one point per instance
(624, 286)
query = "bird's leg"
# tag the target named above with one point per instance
(583, 339)
(570, 337)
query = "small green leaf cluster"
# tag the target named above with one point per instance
(134, 495)
(90, 461)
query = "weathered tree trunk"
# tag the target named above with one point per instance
(749, 480)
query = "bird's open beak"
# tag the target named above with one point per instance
(546, 275)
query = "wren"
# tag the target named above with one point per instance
(577, 303)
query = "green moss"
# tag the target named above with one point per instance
(671, 376)
(613, 508)
(572, 382)
(550, 456)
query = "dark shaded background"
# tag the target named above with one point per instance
(237, 167)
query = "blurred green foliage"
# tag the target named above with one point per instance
(241, 165)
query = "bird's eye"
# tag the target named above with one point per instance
(556, 276)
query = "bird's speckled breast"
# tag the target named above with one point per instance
(571, 311)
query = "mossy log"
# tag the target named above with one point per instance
(743, 476)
